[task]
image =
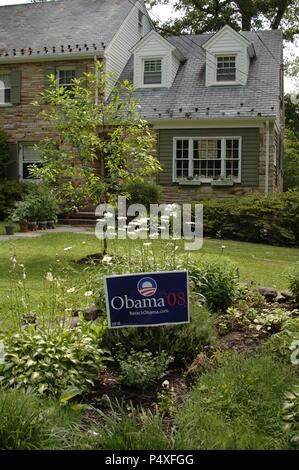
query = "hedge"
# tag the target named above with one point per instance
(260, 218)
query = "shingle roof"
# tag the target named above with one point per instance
(190, 95)
(64, 22)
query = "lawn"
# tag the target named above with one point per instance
(260, 264)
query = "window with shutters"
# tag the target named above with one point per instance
(5, 89)
(207, 159)
(28, 156)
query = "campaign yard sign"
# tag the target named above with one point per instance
(147, 299)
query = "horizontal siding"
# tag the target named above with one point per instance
(250, 150)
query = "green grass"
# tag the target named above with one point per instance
(262, 264)
(238, 407)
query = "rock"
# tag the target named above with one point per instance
(287, 296)
(269, 293)
(280, 299)
(89, 314)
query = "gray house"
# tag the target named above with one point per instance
(215, 100)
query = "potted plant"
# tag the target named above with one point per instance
(47, 210)
(21, 214)
(10, 227)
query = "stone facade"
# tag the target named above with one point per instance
(21, 122)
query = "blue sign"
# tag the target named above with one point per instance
(148, 299)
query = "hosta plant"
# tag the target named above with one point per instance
(291, 415)
(53, 361)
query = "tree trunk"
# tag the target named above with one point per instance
(283, 5)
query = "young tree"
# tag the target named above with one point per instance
(95, 144)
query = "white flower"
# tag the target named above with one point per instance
(13, 260)
(22, 266)
(71, 290)
(147, 244)
(67, 310)
(83, 243)
(50, 277)
(223, 247)
(68, 248)
(107, 259)
(88, 293)
(24, 275)
(165, 384)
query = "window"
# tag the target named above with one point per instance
(29, 156)
(226, 69)
(65, 77)
(153, 72)
(140, 22)
(5, 93)
(207, 159)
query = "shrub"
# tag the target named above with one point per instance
(281, 344)
(142, 192)
(10, 193)
(39, 204)
(183, 342)
(52, 361)
(30, 423)
(216, 281)
(236, 407)
(272, 219)
(138, 430)
(140, 369)
(294, 285)
(291, 416)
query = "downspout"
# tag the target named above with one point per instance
(267, 163)
(96, 99)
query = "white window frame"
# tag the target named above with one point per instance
(4, 103)
(21, 161)
(223, 56)
(191, 150)
(152, 85)
(64, 69)
(216, 55)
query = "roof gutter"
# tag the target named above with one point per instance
(49, 57)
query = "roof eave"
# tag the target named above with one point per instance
(51, 57)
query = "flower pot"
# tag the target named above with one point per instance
(42, 225)
(23, 226)
(50, 224)
(32, 226)
(10, 229)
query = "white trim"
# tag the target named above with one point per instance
(222, 31)
(223, 157)
(151, 58)
(210, 123)
(21, 162)
(51, 57)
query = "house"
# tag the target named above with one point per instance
(215, 100)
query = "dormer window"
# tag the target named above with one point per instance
(152, 72)
(226, 69)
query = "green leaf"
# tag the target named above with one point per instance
(69, 393)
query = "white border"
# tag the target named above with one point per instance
(144, 274)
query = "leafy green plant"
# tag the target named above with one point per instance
(281, 344)
(216, 281)
(10, 193)
(52, 361)
(294, 285)
(131, 429)
(183, 342)
(236, 407)
(142, 192)
(30, 423)
(290, 411)
(141, 368)
(39, 204)
(273, 219)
